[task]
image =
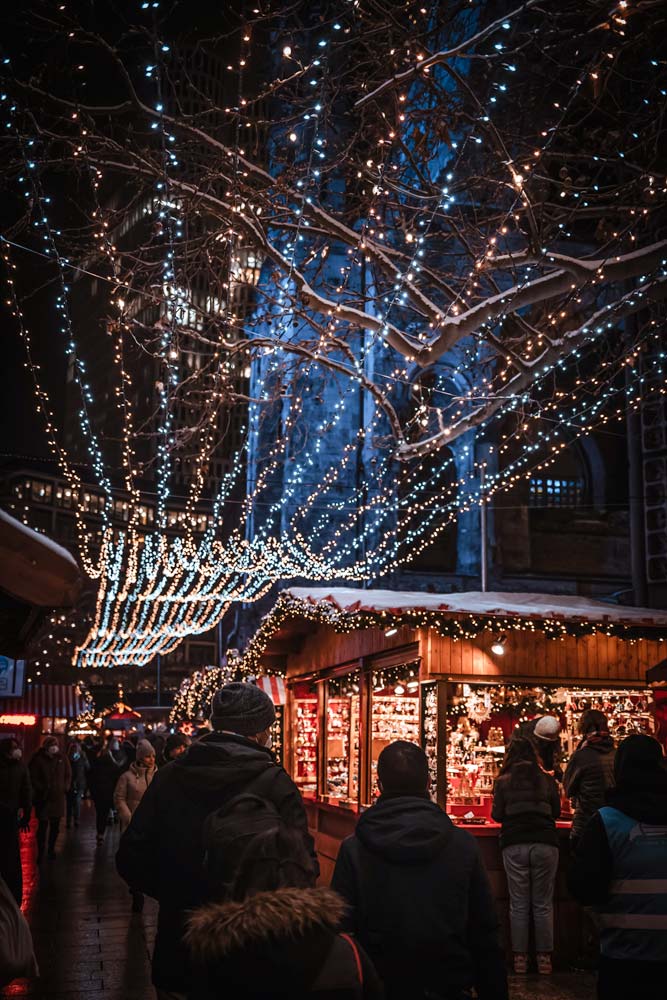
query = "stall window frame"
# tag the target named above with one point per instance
(364, 667)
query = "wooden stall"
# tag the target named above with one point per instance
(455, 673)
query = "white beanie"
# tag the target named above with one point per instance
(547, 728)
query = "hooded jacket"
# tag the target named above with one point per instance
(420, 901)
(588, 776)
(280, 943)
(161, 853)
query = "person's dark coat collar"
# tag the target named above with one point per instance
(404, 829)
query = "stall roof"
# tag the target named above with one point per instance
(299, 610)
(35, 569)
(541, 606)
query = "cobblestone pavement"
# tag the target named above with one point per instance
(91, 947)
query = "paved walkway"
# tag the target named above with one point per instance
(91, 947)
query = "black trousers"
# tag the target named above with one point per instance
(620, 980)
(102, 807)
(52, 824)
(10, 854)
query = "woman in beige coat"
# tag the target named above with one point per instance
(133, 783)
(129, 792)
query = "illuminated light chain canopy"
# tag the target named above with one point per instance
(155, 589)
(347, 610)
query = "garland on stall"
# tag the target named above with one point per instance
(444, 622)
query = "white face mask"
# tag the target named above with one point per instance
(269, 742)
(115, 745)
(17, 754)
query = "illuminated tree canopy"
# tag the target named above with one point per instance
(453, 210)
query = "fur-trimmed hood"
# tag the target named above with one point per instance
(217, 930)
(272, 944)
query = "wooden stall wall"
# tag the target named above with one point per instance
(595, 659)
(326, 648)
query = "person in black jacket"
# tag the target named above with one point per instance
(161, 853)
(620, 867)
(274, 934)
(419, 897)
(105, 771)
(526, 802)
(590, 770)
(78, 761)
(15, 808)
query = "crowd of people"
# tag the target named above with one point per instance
(217, 833)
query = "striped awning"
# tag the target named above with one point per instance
(62, 701)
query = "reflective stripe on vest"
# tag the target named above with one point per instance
(633, 920)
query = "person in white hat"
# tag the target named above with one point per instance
(546, 733)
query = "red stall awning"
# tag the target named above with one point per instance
(62, 701)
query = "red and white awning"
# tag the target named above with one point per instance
(62, 701)
(274, 687)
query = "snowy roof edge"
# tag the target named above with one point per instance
(498, 603)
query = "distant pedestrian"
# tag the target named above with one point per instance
(128, 749)
(130, 789)
(590, 770)
(15, 808)
(526, 802)
(133, 783)
(418, 895)
(78, 761)
(274, 934)
(175, 745)
(51, 778)
(620, 868)
(104, 773)
(162, 852)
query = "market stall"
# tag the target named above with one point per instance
(454, 672)
(44, 709)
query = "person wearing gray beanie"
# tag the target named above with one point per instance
(162, 851)
(244, 709)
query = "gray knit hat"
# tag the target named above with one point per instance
(242, 708)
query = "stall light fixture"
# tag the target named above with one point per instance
(399, 689)
(498, 646)
(412, 685)
(390, 631)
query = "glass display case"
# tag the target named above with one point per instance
(342, 739)
(394, 711)
(305, 733)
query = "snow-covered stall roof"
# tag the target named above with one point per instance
(460, 615)
(34, 568)
(542, 606)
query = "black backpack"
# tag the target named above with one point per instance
(227, 832)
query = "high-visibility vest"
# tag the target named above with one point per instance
(633, 920)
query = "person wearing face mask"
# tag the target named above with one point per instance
(130, 789)
(105, 771)
(80, 767)
(162, 851)
(15, 808)
(51, 777)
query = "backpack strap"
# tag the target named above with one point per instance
(357, 957)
